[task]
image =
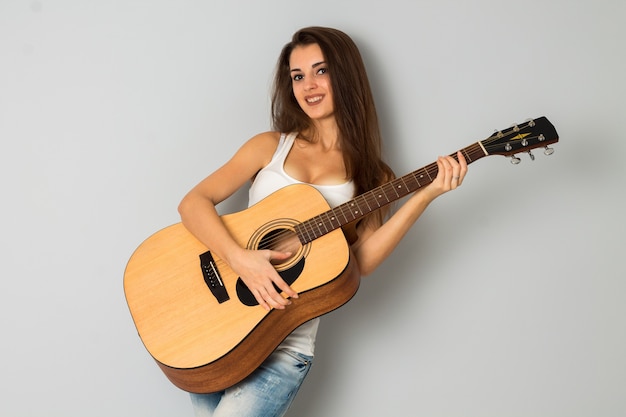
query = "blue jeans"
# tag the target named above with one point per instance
(267, 392)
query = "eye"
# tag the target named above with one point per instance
(297, 77)
(322, 71)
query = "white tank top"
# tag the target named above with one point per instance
(273, 177)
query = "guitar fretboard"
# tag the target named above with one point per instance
(376, 198)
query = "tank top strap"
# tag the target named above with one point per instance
(284, 145)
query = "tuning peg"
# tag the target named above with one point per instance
(531, 122)
(548, 150)
(515, 160)
(532, 157)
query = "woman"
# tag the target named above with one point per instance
(325, 134)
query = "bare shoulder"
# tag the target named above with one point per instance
(261, 147)
(252, 156)
(264, 141)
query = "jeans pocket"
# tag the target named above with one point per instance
(301, 360)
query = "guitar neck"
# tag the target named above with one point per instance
(370, 201)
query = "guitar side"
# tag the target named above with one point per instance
(203, 345)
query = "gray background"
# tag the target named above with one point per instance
(506, 299)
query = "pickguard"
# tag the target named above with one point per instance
(289, 275)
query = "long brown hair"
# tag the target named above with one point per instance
(355, 112)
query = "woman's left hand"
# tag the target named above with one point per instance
(450, 176)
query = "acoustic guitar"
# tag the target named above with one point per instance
(200, 322)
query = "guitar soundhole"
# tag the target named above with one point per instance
(282, 239)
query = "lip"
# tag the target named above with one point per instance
(314, 100)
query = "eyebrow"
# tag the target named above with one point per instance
(317, 64)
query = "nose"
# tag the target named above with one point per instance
(309, 83)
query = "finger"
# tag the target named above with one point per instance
(462, 167)
(447, 162)
(454, 170)
(461, 158)
(455, 179)
(270, 298)
(280, 283)
(276, 299)
(261, 300)
(463, 163)
(278, 255)
(446, 169)
(284, 287)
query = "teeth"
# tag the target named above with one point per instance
(314, 99)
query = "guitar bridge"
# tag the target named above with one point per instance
(212, 277)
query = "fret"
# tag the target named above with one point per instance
(303, 233)
(332, 218)
(341, 208)
(404, 185)
(478, 152)
(377, 196)
(309, 231)
(352, 211)
(328, 222)
(369, 209)
(417, 180)
(391, 187)
(315, 230)
(358, 212)
(327, 226)
(299, 233)
(384, 193)
(319, 223)
(467, 156)
(412, 182)
(427, 173)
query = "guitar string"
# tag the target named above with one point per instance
(431, 170)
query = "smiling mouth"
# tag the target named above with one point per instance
(313, 100)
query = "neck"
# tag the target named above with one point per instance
(325, 133)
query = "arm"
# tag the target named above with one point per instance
(200, 217)
(376, 242)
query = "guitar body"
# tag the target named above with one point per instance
(204, 342)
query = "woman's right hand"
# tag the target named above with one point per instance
(255, 269)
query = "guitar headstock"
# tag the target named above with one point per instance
(534, 133)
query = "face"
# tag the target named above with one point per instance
(311, 81)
